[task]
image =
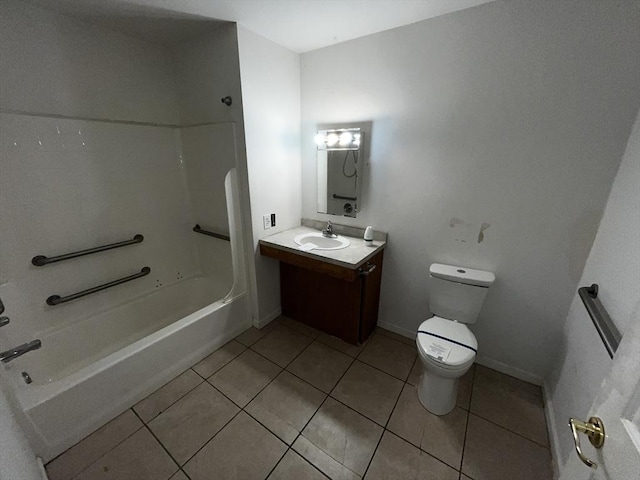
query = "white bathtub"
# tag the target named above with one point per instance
(83, 376)
(90, 372)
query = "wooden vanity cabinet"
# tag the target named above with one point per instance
(337, 300)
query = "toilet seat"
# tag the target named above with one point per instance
(453, 341)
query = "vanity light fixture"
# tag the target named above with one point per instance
(338, 139)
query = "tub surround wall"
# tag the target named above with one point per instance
(54, 64)
(496, 135)
(270, 77)
(70, 183)
(614, 264)
(92, 184)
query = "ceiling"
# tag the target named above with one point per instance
(299, 25)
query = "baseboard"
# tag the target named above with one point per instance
(267, 319)
(554, 440)
(509, 370)
(405, 332)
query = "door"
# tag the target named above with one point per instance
(618, 405)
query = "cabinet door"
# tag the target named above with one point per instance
(371, 279)
(330, 304)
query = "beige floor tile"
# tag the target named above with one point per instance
(511, 403)
(341, 346)
(406, 340)
(323, 461)
(294, 467)
(87, 451)
(388, 355)
(282, 345)
(243, 450)
(299, 327)
(253, 334)
(464, 385)
(140, 457)
(162, 398)
(242, 378)
(286, 405)
(416, 371)
(441, 436)
(344, 435)
(369, 391)
(321, 366)
(494, 453)
(190, 422)
(250, 336)
(179, 475)
(219, 358)
(397, 459)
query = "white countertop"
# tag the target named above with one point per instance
(352, 256)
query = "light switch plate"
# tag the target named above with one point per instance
(266, 219)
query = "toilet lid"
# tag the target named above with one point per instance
(447, 342)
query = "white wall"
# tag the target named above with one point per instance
(206, 70)
(614, 264)
(511, 114)
(270, 77)
(58, 65)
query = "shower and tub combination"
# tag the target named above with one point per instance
(122, 252)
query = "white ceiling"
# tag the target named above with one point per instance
(299, 25)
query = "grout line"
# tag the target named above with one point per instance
(160, 443)
(213, 436)
(112, 448)
(466, 427)
(172, 403)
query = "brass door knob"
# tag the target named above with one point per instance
(594, 429)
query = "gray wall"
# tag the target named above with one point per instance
(510, 114)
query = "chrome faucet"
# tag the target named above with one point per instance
(13, 353)
(328, 232)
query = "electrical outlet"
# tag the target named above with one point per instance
(273, 219)
(266, 219)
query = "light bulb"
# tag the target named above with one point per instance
(345, 138)
(356, 139)
(320, 139)
(332, 139)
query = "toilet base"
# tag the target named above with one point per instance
(437, 394)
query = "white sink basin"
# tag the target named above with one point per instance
(320, 242)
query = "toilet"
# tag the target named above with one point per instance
(446, 346)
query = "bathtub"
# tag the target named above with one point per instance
(82, 376)
(90, 372)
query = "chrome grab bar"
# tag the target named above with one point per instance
(41, 260)
(199, 229)
(57, 299)
(13, 353)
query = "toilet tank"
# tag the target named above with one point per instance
(457, 293)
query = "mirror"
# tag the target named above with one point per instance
(340, 163)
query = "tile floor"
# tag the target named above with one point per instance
(287, 402)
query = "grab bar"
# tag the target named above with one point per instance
(41, 260)
(221, 236)
(13, 353)
(341, 197)
(607, 330)
(57, 299)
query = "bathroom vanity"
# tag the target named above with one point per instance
(335, 291)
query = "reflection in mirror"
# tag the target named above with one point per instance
(339, 171)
